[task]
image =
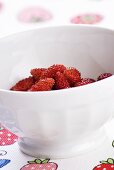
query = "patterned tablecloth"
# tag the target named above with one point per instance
(18, 15)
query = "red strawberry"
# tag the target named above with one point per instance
(38, 164)
(104, 76)
(105, 165)
(51, 71)
(43, 85)
(47, 74)
(72, 75)
(57, 67)
(84, 81)
(37, 72)
(7, 137)
(23, 85)
(61, 81)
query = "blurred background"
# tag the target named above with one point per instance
(18, 15)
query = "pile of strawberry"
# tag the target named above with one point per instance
(55, 77)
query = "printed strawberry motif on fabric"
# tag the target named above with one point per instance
(88, 18)
(4, 162)
(39, 164)
(105, 165)
(34, 14)
(7, 137)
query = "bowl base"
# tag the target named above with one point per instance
(31, 147)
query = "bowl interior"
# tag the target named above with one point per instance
(89, 49)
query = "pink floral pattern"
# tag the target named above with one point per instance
(34, 14)
(1, 5)
(87, 18)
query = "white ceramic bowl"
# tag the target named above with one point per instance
(65, 122)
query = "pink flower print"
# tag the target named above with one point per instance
(34, 14)
(88, 18)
